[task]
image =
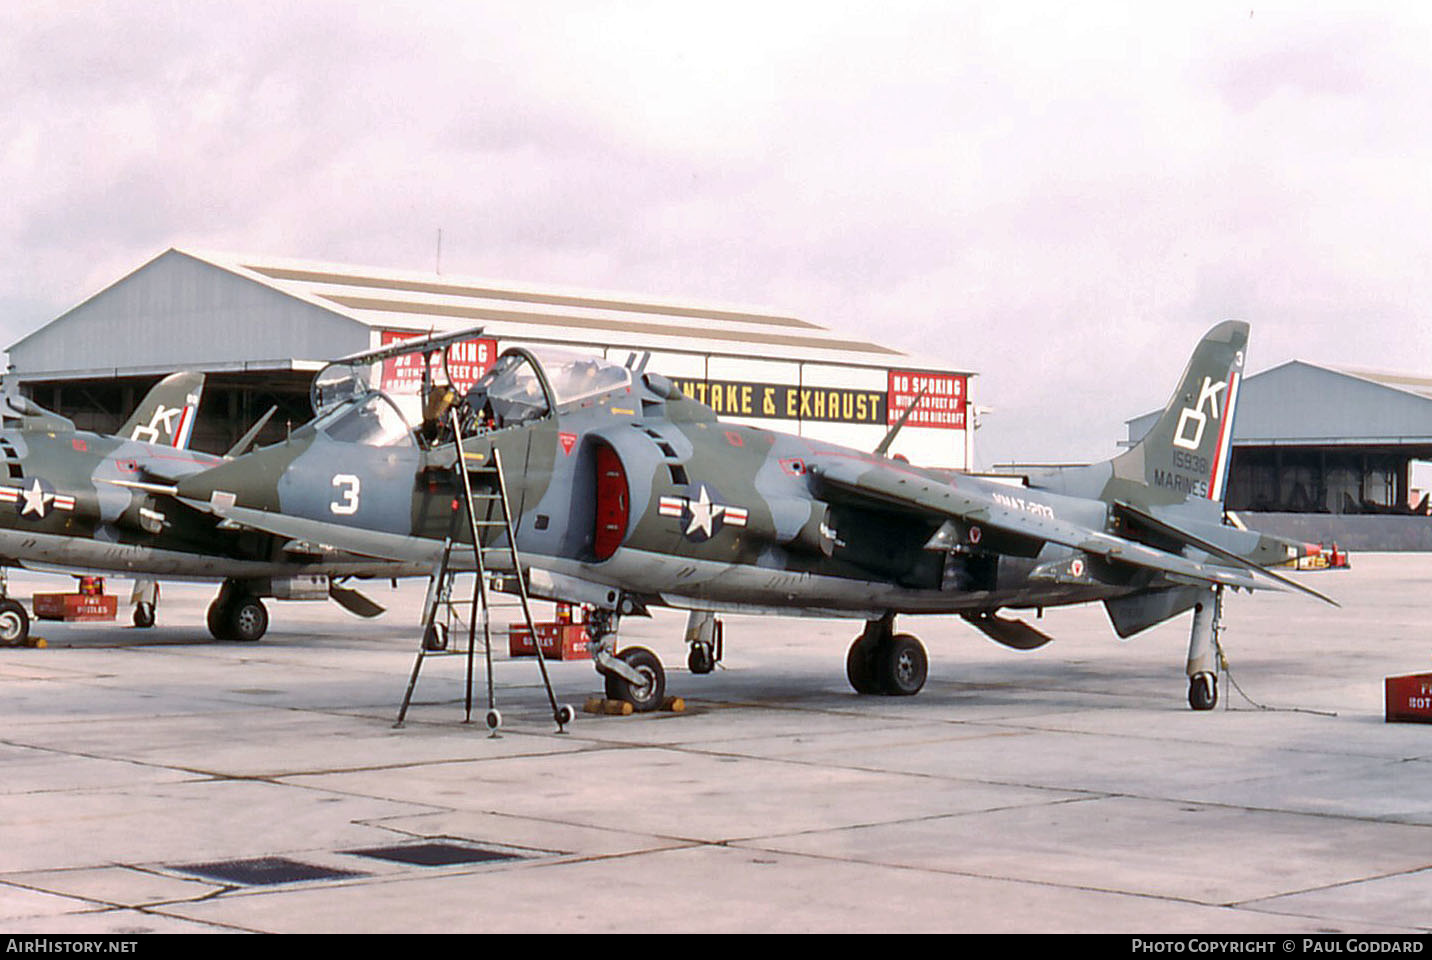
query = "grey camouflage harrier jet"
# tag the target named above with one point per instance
(54, 509)
(627, 494)
(74, 500)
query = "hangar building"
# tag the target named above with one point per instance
(261, 327)
(1323, 454)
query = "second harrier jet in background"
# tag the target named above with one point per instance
(73, 500)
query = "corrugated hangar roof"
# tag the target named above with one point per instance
(1422, 386)
(1301, 403)
(191, 307)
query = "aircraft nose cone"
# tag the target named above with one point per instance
(224, 485)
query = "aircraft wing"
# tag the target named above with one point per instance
(910, 491)
(366, 543)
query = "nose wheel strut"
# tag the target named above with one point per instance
(634, 675)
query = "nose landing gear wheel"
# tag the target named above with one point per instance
(643, 697)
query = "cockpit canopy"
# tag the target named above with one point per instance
(526, 385)
(575, 377)
(522, 386)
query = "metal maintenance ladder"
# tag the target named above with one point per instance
(494, 495)
(449, 594)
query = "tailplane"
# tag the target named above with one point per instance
(166, 414)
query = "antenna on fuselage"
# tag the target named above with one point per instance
(884, 447)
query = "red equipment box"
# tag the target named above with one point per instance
(1409, 699)
(560, 641)
(72, 607)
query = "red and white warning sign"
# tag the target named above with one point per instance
(942, 404)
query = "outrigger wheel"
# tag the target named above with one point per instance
(1203, 691)
(1203, 651)
(436, 637)
(647, 695)
(701, 659)
(883, 662)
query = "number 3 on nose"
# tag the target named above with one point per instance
(347, 502)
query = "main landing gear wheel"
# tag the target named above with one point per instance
(903, 666)
(894, 665)
(14, 624)
(643, 697)
(243, 618)
(1203, 691)
(860, 666)
(144, 615)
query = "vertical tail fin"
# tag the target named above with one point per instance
(1186, 453)
(166, 414)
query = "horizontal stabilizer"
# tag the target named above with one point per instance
(1015, 634)
(1183, 536)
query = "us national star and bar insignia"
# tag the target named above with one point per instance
(36, 500)
(704, 517)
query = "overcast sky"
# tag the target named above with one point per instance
(1059, 197)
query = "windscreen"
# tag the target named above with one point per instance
(338, 383)
(372, 421)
